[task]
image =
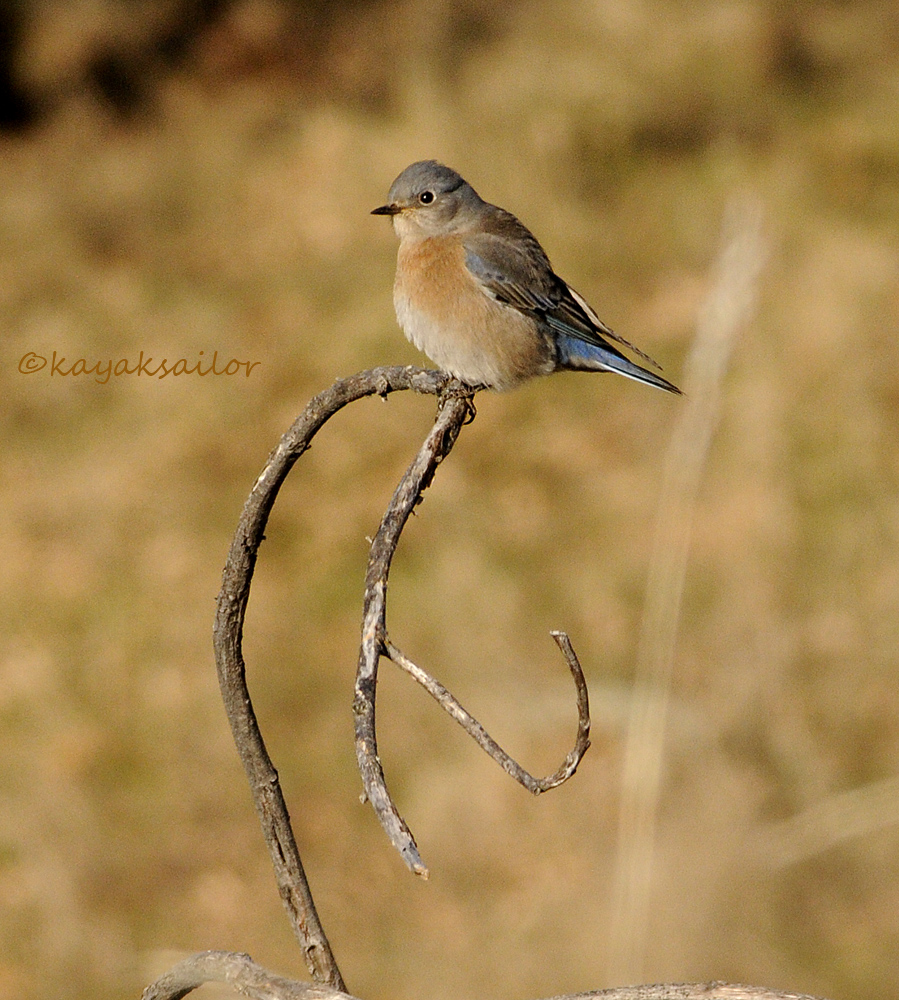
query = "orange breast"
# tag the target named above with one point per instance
(447, 314)
(432, 275)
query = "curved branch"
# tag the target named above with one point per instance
(228, 634)
(454, 411)
(240, 972)
(486, 742)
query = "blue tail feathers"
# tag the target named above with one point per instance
(577, 355)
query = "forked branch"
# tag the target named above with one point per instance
(454, 410)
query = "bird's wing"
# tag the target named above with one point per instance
(512, 267)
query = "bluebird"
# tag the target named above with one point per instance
(476, 292)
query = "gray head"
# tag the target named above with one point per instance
(428, 198)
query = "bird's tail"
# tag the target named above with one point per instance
(577, 355)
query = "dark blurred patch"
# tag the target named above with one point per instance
(676, 132)
(335, 49)
(17, 108)
(312, 42)
(120, 82)
(795, 58)
(125, 75)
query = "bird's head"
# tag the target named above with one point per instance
(429, 199)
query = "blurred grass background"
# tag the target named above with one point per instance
(178, 177)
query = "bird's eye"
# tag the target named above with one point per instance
(426, 197)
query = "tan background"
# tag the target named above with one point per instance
(224, 207)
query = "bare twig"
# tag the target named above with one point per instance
(228, 633)
(477, 732)
(455, 410)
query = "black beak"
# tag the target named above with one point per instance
(386, 210)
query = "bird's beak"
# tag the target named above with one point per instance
(387, 210)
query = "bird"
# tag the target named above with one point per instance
(475, 291)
